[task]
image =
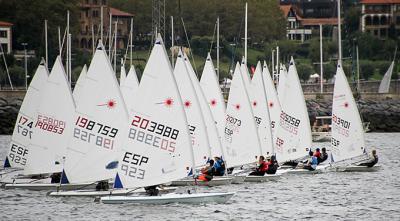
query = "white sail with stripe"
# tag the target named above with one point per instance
(129, 87)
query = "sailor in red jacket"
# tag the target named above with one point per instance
(261, 169)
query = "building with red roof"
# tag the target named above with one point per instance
(380, 17)
(90, 20)
(6, 37)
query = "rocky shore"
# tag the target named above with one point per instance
(383, 115)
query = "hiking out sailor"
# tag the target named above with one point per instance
(373, 159)
(272, 165)
(323, 157)
(261, 169)
(219, 166)
(312, 162)
(207, 173)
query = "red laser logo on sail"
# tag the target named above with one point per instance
(187, 104)
(237, 106)
(169, 102)
(254, 103)
(271, 104)
(110, 104)
(213, 102)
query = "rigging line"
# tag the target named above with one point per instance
(190, 48)
(212, 40)
(5, 64)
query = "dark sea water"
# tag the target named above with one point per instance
(325, 196)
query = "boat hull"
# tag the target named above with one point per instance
(238, 179)
(354, 168)
(50, 186)
(195, 198)
(89, 193)
(265, 178)
(216, 181)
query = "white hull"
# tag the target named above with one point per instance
(321, 136)
(319, 169)
(354, 168)
(89, 193)
(238, 179)
(50, 186)
(194, 198)
(266, 177)
(216, 181)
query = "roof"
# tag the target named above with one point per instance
(317, 21)
(380, 2)
(119, 13)
(285, 9)
(3, 23)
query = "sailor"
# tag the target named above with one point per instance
(261, 169)
(312, 162)
(317, 153)
(207, 172)
(272, 165)
(219, 166)
(323, 157)
(373, 159)
(55, 177)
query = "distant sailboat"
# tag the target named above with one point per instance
(79, 85)
(129, 86)
(384, 86)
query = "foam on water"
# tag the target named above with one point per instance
(325, 196)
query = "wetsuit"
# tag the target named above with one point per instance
(371, 162)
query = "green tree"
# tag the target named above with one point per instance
(304, 70)
(367, 69)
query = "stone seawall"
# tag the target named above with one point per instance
(383, 114)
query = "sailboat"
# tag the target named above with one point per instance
(159, 116)
(241, 138)
(348, 142)
(99, 126)
(52, 132)
(293, 136)
(18, 151)
(216, 148)
(384, 86)
(122, 76)
(213, 94)
(274, 106)
(283, 75)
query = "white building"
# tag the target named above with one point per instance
(5, 36)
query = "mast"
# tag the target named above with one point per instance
(339, 34)
(101, 23)
(93, 41)
(109, 35)
(321, 59)
(46, 48)
(115, 45)
(218, 48)
(172, 40)
(273, 66)
(245, 36)
(59, 41)
(68, 61)
(277, 63)
(69, 58)
(131, 43)
(358, 71)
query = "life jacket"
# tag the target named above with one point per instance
(314, 162)
(317, 154)
(219, 166)
(263, 167)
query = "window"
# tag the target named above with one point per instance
(104, 2)
(95, 13)
(94, 2)
(3, 34)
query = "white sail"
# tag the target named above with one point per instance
(293, 135)
(241, 136)
(274, 106)
(157, 148)
(212, 131)
(245, 74)
(283, 75)
(194, 115)
(54, 123)
(122, 76)
(347, 131)
(384, 86)
(213, 94)
(259, 102)
(79, 85)
(99, 125)
(129, 87)
(23, 130)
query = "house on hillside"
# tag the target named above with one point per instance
(380, 17)
(6, 37)
(302, 28)
(90, 17)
